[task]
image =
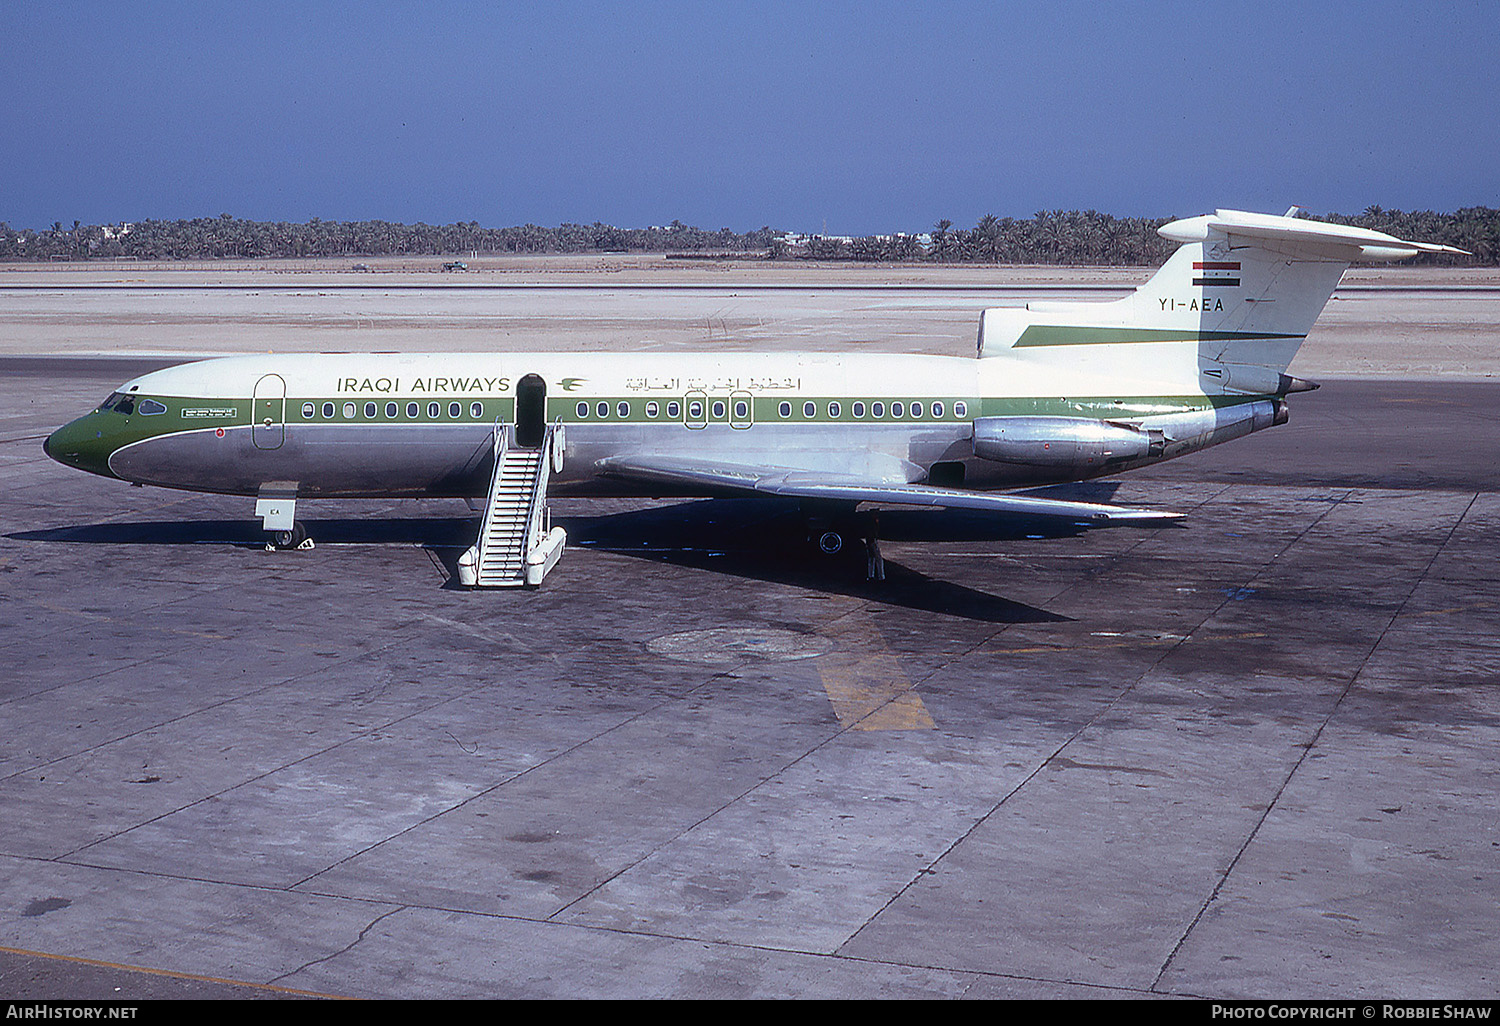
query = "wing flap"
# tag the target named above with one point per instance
(711, 476)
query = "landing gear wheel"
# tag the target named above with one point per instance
(830, 542)
(296, 538)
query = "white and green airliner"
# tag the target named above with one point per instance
(1058, 391)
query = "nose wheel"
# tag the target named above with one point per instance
(295, 538)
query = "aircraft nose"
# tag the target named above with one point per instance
(56, 445)
(81, 444)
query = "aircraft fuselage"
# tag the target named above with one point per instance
(391, 425)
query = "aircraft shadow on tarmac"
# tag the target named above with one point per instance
(437, 532)
(766, 540)
(757, 539)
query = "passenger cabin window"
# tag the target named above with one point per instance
(897, 409)
(785, 409)
(476, 410)
(582, 410)
(695, 409)
(328, 409)
(960, 408)
(674, 409)
(412, 409)
(877, 409)
(858, 409)
(308, 409)
(653, 409)
(455, 410)
(622, 409)
(916, 409)
(718, 409)
(741, 409)
(391, 409)
(151, 408)
(370, 409)
(348, 411)
(809, 409)
(833, 409)
(434, 411)
(602, 409)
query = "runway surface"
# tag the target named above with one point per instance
(1100, 288)
(1398, 324)
(1255, 756)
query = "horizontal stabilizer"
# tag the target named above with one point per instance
(1362, 243)
(711, 477)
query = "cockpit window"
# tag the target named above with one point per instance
(109, 403)
(126, 405)
(151, 408)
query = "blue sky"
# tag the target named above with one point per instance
(861, 117)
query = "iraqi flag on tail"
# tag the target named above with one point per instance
(1216, 272)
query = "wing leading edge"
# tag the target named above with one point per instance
(733, 478)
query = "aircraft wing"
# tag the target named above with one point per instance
(735, 478)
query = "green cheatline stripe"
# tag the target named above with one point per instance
(1075, 335)
(1108, 408)
(126, 430)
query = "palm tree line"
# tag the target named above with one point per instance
(1049, 237)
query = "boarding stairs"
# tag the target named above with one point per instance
(517, 544)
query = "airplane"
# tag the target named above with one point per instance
(1056, 392)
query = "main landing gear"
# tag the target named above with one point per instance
(830, 534)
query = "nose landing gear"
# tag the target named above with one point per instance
(296, 538)
(276, 505)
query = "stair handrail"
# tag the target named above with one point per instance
(499, 443)
(537, 504)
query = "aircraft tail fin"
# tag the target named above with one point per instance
(1225, 314)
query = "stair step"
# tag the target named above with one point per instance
(513, 502)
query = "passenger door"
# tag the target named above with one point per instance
(268, 412)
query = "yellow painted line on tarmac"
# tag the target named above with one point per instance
(1471, 607)
(1038, 648)
(173, 974)
(865, 682)
(53, 607)
(1125, 643)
